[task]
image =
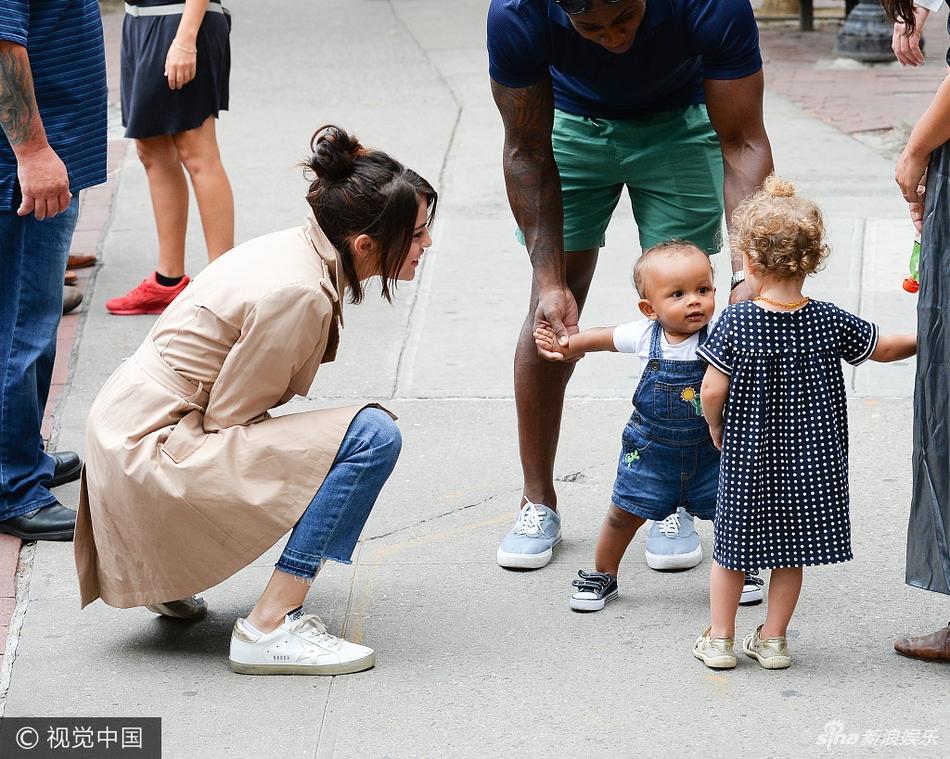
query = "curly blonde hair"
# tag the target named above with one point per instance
(781, 232)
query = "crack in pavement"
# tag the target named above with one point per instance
(440, 516)
(576, 476)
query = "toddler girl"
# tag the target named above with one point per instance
(774, 397)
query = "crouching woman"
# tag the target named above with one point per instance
(188, 478)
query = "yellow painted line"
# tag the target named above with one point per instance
(723, 686)
(363, 592)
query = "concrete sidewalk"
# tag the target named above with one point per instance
(475, 661)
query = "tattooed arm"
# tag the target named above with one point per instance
(534, 193)
(44, 183)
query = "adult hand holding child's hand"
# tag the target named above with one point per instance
(548, 345)
(557, 311)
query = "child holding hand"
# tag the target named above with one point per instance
(774, 397)
(667, 459)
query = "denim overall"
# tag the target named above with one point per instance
(668, 459)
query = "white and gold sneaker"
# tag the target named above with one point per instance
(771, 653)
(191, 608)
(714, 652)
(300, 646)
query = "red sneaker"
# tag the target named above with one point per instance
(148, 298)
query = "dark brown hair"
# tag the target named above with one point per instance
(901, 11)
(358, 191)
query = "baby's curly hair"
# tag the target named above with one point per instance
(782, 233)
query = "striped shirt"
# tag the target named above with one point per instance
(63, 39)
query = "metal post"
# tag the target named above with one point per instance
(806, 21)
(866, 34)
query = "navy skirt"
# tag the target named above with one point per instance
(149, 107)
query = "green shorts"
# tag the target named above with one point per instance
(670, 162)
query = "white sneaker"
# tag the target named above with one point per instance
(300, 646)
(751, 589)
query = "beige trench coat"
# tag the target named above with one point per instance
(188, 479)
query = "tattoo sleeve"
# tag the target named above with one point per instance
(19, 116)
(531, 175)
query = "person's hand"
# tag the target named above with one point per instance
(181, 63)
(741, 292)
(906, 45)
(44, 184)
(716, 434)
(911, 177)
(917, 209)
(557, 308)
(548, 344)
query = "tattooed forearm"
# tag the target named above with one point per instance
(531, 175)
(19, 116)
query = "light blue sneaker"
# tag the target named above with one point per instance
(673, 543)
(530, 544)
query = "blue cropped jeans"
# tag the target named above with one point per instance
(32, 263)
(332, 523)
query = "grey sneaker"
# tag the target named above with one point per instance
(771, 653)
(191, 608)
(672, 543)
(530, 544)
(714, 652)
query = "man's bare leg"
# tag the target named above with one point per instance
(539, 390)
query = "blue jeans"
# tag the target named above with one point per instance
(32, 264)
(332, 523)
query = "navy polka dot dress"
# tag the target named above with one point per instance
(783, 481)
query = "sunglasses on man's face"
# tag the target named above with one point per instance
(573, 7)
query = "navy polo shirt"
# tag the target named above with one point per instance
(63, 39)
(678, 44)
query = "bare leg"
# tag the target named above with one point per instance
(785, 585)
(169, 191)
(198, 150)
(284, 593)
(539, 390)
(725, 588)
(616, 532)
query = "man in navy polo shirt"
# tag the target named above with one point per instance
(53, 117)
(661, 96)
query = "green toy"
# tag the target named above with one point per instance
(912, 283)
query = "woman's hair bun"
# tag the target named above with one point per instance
(778, 188)
(333, 153)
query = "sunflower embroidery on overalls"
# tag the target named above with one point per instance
(629, 458)
(689, 395)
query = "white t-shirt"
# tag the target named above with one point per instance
(634, 337)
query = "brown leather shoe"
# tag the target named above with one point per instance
(933, 647)
(80, 262)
